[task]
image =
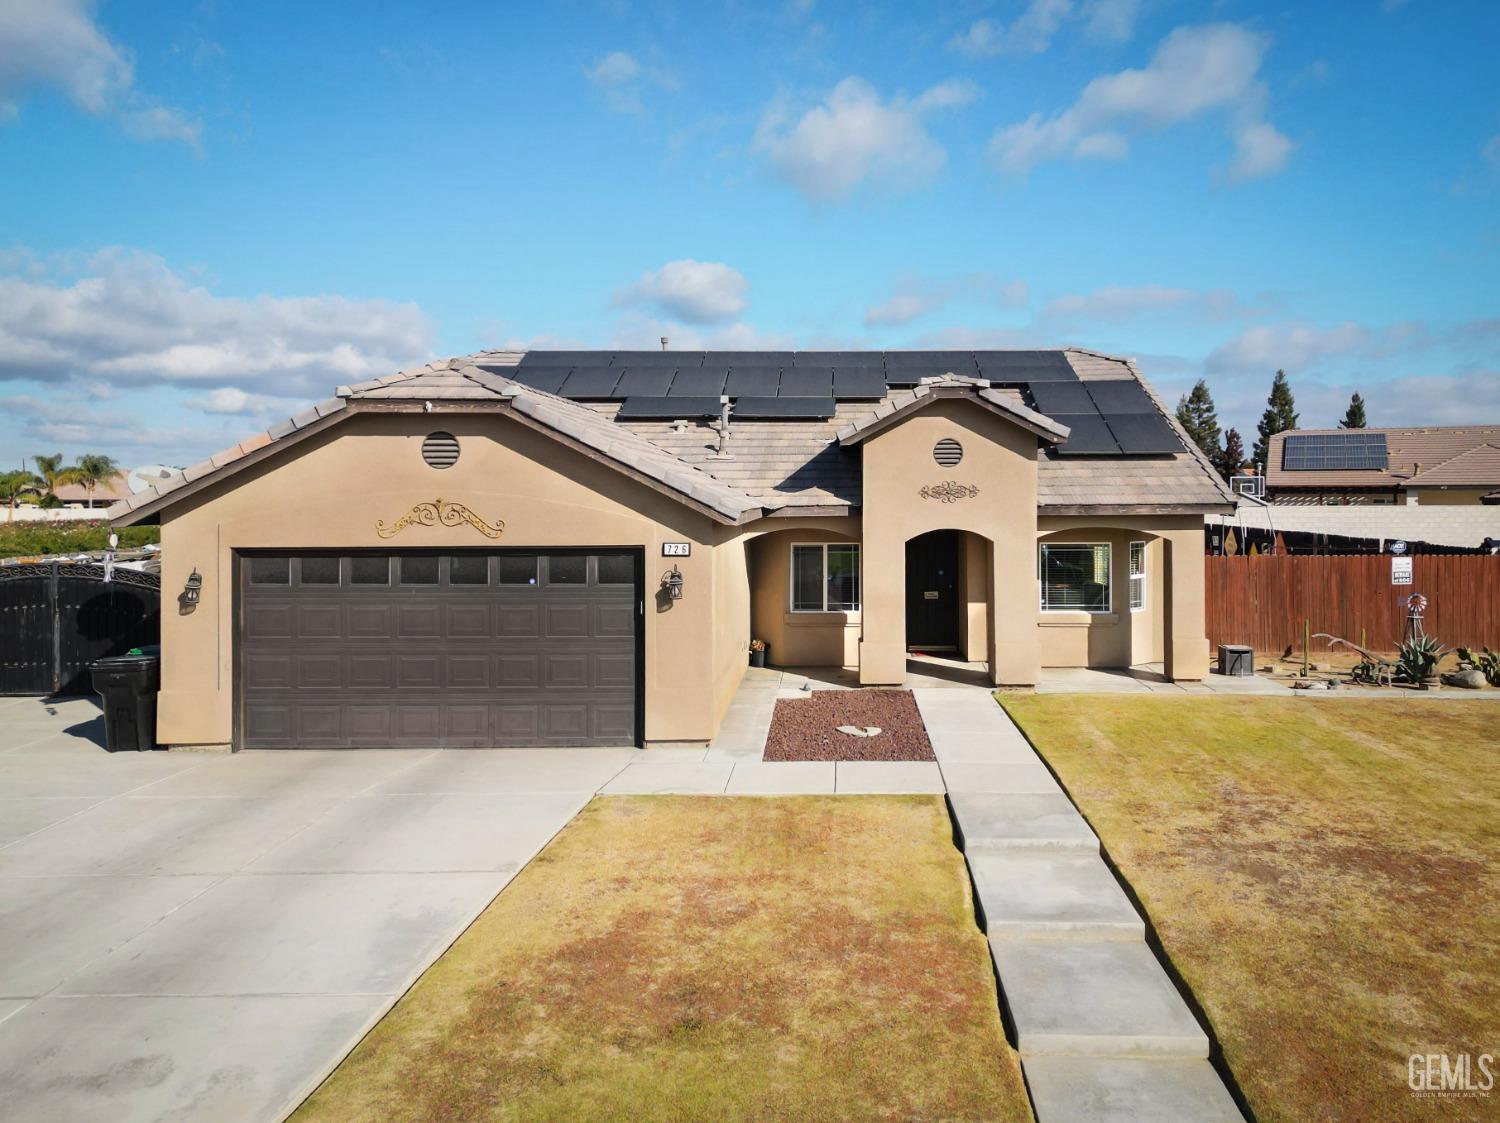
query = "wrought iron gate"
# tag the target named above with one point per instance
(58, 617)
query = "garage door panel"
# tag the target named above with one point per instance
(334, 663)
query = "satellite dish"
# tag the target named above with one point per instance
(139, 479)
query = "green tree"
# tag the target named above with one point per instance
(90, 471)
(1354, 418)
(1196, 413)
(15, 485)
(1280, 415)
(1232, 459)
(50, 469)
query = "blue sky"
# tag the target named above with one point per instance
(214, 213)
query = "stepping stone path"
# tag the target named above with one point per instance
(1104, 1035)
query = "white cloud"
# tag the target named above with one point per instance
(699, 292)
(1293, 347)
(231, 400)
(620, 77)
(1491, 151)
(914, 298)
(126, 317)
(55, 422)
(57, 43)
(832, 148)
(1119, 303)
(1195, 70)
(1034, 29)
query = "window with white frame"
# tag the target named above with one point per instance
(825, 577)
(1075, 576)
(1137, 576)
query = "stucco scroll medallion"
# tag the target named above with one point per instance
(440, 513)
(948, 491)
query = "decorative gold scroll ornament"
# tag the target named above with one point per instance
(949, 492)
(438, 512)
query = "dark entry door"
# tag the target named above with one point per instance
(396, 650)
(932, 590)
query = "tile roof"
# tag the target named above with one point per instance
(771, 464)
(1479, 467)
(1411, 450)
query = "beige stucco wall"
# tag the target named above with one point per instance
(1449, 496)
(329, 490)
(799, 639)
(1000, 459)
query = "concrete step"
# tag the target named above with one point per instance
(1127, 1090)
(1022, 777)
(1040, 894)
(1094, 998)
(995, 821)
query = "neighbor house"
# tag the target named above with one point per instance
(576, 548)
(1432, 464)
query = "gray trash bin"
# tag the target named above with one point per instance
(1236, 659)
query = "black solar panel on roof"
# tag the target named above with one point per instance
(667, 409)
(644, 381)
(547, 379)
(591, 382)
(1143, 433)
(1088, 435)
(806, 382)
(699, 382)
(932, 363)
(1053, 398)
(1124, 395)
(753, 381)
(853, 383)
(784, 409)
(631, 359)
(1335, 452)
(874, 359)
(1022, 358)
(565, 358)
(752, 358)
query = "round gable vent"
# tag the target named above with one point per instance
(440, 450)
(948, 452)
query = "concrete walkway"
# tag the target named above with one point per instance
(1103, 1033)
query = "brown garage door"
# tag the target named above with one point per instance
(420, 649)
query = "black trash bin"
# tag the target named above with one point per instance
(128, 684)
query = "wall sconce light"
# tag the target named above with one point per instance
(194, 586)
(672, 583)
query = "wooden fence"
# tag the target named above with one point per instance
(1263, 600)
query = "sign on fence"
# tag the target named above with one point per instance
(1400, 571)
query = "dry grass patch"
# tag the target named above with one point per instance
(1322, 873)
(671, 958)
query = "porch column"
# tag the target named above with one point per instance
(882, 644)
(1184, 631)
(1015, 644)
(974, 598)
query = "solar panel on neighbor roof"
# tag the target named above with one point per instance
(1062, 397)
(852, 383)
(1335, 452)
(547, 379)
(784, 409)
(756, 381)
(667, 409)
(806, 382)
(1087, 436)
(874, 359)
(750, 358)
(1143, 433)
(644, 381)
(658, 359)
(1124, 395)
(565, 358)
(699, 382)
(591, 382)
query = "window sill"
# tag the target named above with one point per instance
(1076, 619)
(804, 619)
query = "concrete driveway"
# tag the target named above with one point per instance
(192, 936)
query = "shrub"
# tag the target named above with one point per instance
(1485, 661)
(29, 539)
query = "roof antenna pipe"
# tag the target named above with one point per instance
(663, 343)
(723, 453)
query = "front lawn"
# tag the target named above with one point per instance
(673, 958)
(1322, 873)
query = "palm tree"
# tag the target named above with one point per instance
(90, 471)
(50, 469)
(13, 485)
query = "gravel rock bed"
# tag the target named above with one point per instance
(807, 728)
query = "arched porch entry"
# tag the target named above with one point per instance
(948, 594)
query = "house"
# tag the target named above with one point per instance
(572, 548)
(106, 493)
(1431, 465)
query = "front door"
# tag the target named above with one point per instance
(932, 590)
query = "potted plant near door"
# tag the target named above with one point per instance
(759, 649)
